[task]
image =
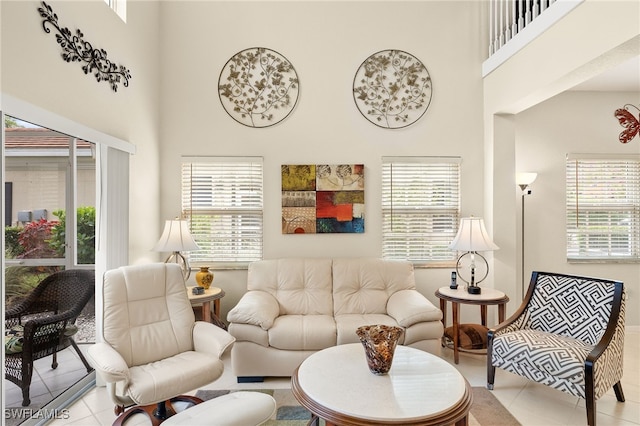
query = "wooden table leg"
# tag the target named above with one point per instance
(501, 311)
(463, 422)
(443, 308)
(483, 315)
(216, 308)
(206, 311)
(456, 338)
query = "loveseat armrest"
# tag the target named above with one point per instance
(108, 363)
(211, 339)
(409, 307)
(256, 308)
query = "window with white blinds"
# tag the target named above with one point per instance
(420, 208)
(223, 200)
(603, 207)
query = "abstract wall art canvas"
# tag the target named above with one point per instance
(322, 198)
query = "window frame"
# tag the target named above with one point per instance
(421, 207)
(237, 200)
(614, 195)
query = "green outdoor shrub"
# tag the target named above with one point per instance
(86, 234)
(12, 247)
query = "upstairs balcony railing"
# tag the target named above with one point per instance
(515, 23)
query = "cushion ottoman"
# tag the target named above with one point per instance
(232, 409)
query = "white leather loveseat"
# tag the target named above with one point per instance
(295, 307)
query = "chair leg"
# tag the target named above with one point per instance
(82, 358)
(617, 388)
(491, 374)
(27, 372)
(590, 402)
(25, 395)
(491, 370)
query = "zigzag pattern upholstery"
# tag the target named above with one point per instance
(568, 334)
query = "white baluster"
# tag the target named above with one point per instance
(508, 16)
(491, 24)
(521, 17)
(527, 16)
(501, 24)
(514, 22)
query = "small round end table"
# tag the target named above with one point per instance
(489, 296)
(212, 294)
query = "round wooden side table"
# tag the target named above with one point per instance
(212, 294)
(489, 296)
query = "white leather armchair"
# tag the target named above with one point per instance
(153, 348)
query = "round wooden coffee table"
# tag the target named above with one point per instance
(335, 384)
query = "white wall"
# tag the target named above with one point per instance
(574, 122)
(33, 71)
(326, 42)
(569, 53)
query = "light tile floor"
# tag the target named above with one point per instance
(531, 403)
(47, 383)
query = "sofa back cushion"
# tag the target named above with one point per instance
(364, 285)
(301, 286)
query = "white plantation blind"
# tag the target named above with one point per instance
(603, 207)
(420, 208)
(222, 197)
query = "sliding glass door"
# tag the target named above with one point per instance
(50, 225)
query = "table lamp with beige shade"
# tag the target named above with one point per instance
(472, 237)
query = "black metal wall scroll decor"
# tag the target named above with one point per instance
(76, 49)
(630, 123)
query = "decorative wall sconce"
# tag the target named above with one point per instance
(524, 180)
(76, 49)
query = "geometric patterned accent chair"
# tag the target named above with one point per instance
(568, 334)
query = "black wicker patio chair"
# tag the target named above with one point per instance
(43, 323)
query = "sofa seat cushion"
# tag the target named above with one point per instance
(347, 325)
(546, 353)
(158, 381)
(431, 330)
(303, 332)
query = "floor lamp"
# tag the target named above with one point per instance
(524, 180)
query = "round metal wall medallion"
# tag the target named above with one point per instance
(392, 89)
(258, 87)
